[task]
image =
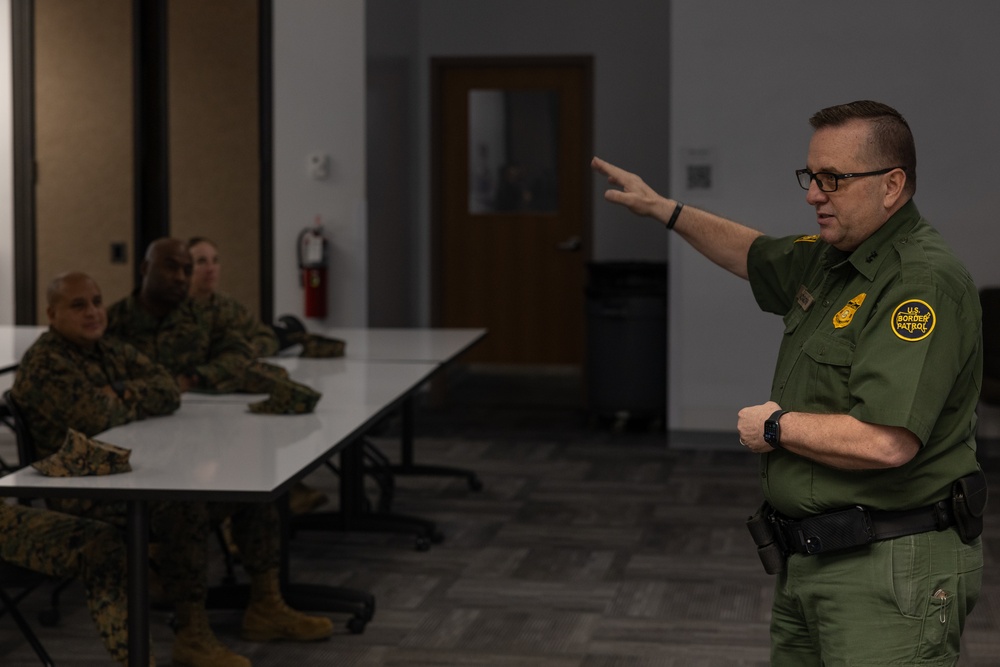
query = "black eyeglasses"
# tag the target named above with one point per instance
(828, 181)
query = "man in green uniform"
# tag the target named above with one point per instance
(163, 322)
(870, 426)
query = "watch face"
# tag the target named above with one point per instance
(771, 431)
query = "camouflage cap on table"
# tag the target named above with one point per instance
(80, 456)
(317, 346)
(288, 398)
(260, 377)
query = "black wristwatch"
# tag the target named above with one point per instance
(772, 429)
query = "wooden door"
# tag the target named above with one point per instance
(84, 188)
(511, 205)
(84, 104)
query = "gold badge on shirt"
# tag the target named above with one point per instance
(846, 314)
(811, 238)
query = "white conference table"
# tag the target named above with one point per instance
(410, 345)
(216, 450)
(14, 342)
(402, 344)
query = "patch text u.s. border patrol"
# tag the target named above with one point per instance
(811, 238)
(913, 320)
(846, 314)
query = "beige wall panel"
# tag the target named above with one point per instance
(214, 134)
(83, 117)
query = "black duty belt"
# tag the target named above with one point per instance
(857, 526)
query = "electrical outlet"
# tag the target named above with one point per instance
(119, 253)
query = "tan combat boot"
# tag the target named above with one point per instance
(195, 645)
(268, 618)
(303, 499)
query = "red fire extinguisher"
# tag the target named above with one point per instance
(313, 257)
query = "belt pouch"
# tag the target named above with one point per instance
(842, 529)
(968, 503)
(770, 552)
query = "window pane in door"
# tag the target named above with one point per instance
(513, 146)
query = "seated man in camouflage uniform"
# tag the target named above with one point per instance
(162, 321)
(223, 310)
(65, 546)
(72, 376)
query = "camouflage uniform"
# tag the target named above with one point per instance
(55, 386)
(225, 311)
(58, 386)
(59, 545)
(188, 342)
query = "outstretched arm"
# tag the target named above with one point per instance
(723, 241)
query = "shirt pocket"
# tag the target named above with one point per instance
(828, 362)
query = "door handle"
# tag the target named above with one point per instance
(572, 244)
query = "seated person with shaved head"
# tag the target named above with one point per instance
(74, 377)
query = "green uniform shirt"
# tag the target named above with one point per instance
(58, 385)
(889, 334)
(185, 341)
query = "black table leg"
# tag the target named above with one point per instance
(407, 465)
(138, 591)
(353, 513)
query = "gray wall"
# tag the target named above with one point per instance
(746, 77)
(627, 69)
(739, 80)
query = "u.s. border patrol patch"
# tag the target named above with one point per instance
(913, 320)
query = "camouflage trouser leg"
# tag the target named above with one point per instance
(181, 531)
(256, 531)
(65, 546)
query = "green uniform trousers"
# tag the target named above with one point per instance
(896, 602)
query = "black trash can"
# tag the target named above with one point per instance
(627, 341)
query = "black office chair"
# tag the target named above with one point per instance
(12, 576)
(26, 455)
(25, 443)
(8, 420)
(287, 324)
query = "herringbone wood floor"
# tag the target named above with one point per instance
(587, 547)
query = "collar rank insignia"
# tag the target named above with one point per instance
(913, 320)
(811, 238)
(846, 314)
